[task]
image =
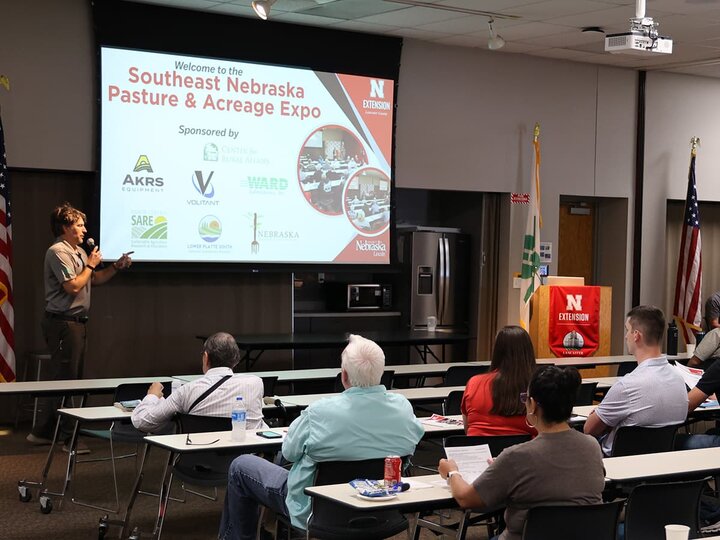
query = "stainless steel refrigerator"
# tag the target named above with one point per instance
(435, 262)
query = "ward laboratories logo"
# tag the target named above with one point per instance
(377, 96)
(148, 183)
(203, 185)
(264, 184)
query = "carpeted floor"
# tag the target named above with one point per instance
(196, 519)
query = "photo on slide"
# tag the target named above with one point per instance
(367, 201)
(329, 156)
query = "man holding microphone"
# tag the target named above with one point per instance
(68, 274)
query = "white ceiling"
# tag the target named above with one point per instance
(548, 28)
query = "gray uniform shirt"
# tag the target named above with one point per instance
(63, 263)
(552, 469)
(652, 395)
(709, 347)
(712, 310)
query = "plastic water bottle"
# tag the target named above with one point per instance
(239, 417)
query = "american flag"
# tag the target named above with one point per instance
(689, 273)
(7, 313)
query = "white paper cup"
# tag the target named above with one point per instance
(677, 532)
(431, 323)
(690, 348)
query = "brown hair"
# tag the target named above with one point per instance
(514, 361)
(64, 216)
(650, 321)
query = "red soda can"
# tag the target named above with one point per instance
(393, 465)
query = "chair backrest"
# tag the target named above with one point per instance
(269, 385)
(634, 440)
(460, 375)
(330, 519)
(194, 423)
(586, 394)
(497, 443)
(130, 391)
(626, 367)
(453, 402)
(586, 521)
(386, 379)
(652, 506)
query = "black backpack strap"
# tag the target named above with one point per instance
(208, 392)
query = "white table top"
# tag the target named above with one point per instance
(681, 462)
(436, 493)
(75, 385)
(177, 442)
(429, 393)
(602, 382)
(91, 414)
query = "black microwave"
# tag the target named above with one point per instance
(359, 296)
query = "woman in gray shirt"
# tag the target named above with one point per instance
(560, 466)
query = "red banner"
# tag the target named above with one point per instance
(574, 322)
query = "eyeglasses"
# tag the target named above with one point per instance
(188, 442)
(523, 397)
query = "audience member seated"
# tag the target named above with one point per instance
(653, 395)
(707, 351)
(708, 385)
(213, 394)
(712, 312)
(559, 466)
(490, 404)
(364, 422)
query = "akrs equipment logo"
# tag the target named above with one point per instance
(143, 183)
(210, 228)
(203, 185)
(148, 227)
(143, 164)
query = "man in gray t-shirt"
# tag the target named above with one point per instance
(68, 274)
(712, 312)
(707, 349)
(653, 395)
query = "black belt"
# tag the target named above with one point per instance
(60, 316)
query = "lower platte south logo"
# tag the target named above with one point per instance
(210, 228)
(146, 227)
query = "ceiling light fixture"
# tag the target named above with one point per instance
(262, 8)
(496, 41)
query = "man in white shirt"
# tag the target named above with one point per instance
(211, 395)
(653, 395)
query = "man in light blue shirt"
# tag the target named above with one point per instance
(653, 395)
(364, 422)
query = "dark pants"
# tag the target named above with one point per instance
(66, 344)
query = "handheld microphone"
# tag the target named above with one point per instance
(90, 243)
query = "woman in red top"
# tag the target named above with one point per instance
(491, 402)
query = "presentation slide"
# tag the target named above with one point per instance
(208, 160)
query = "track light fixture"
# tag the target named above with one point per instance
(496, 41)
(262, 8)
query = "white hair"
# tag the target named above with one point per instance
(364, 361)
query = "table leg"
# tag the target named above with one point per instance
(164, 494)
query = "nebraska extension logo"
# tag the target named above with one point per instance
(139, 182)
(376, 246)
(377, 99)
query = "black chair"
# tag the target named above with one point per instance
(635, 440)
(386, 379)
(586, 394)
(120, 431)
(452, 403)
(652, 506)
(269, 385)
(332, 521)
(209, 469)
(487, 516)
(586, 521)
(460, 375)
(626, 367)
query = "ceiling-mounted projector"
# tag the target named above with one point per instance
(642, 39)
